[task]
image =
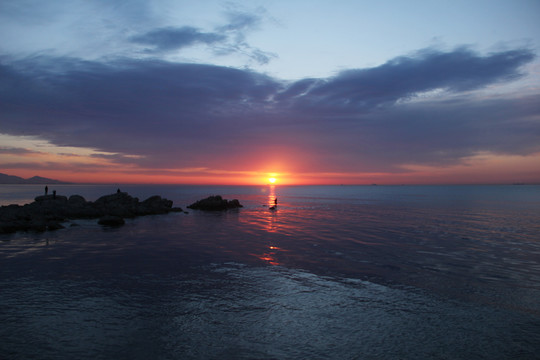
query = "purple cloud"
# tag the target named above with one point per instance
(405, 77)
(187, 115)
(16, 151)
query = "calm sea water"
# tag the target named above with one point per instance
(344, 272)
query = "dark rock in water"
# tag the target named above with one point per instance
(48, 211)
(155, 205)
(111, 220)
(54, 225)
(234, 203)
(76, 200)
(51, 198)
(215, 203)
(38, 226)
(119, 204)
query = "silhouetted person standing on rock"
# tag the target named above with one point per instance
(46, 189)
(54, 194)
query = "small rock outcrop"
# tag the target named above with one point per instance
(155, 205)
(76, 200)
(111, 220)
(47, 212)
(215, 203)
(50, 199)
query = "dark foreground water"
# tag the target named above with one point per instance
(371, 272)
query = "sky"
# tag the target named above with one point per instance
(237, 92)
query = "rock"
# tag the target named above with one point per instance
(76, 200)
(215, 203)
(48, 211)
(120, 204)
(7, 228)
(233, 204)
(111, 220)
(157, 202)
(120, 198)
(53, 225)
(85, 211)
(51, 198)
(38, 225)
(155, 205)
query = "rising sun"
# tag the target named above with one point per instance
(272, 180)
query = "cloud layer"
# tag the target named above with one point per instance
(164, 115)
(223, 40)
(167, 39)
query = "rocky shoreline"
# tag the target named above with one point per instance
(48, 212)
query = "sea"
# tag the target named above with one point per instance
(333, 272)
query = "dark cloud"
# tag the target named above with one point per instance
(80, 167)
(445, 132)
(16, 151)
(406, 77)
(224, 40)
(111, 106)
(167, 39)
(171, 115)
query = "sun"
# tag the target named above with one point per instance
(272, 180)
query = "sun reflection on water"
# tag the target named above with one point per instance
(270, 255)
(272, 198)
(271, 214)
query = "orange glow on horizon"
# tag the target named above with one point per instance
(87, 166)
(487, 174)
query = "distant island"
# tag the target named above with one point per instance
(36, 180)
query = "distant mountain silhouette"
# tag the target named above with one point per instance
(11, 179)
